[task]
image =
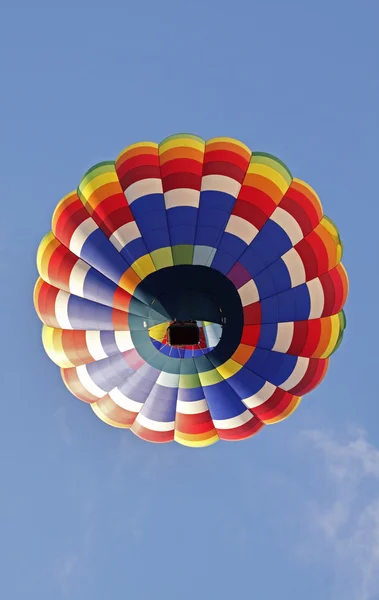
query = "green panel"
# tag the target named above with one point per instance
(183, 254)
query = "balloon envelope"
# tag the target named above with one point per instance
(202, 231)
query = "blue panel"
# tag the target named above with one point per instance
(245, 383)
(211, 199)
(275, 367)
(271, 242)
(99, 288)
(265, 284)
(280, 276)
(270, 310)
(84, 314)
(257, 360)
(190, 394)
(156, 238)
(134, 250)
(140, 384)
(295, 304)
(161, 404)
(223, 262)
(232, 245)
(98, 251)
(108, 342)
(252, 260)
(223, 401)
(182, 215)
(267, 336)
(147, 204)
(208, 236)
(109, 373)
(182, 234)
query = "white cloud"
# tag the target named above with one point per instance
(344, 513)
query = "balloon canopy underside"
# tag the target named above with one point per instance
(202, 231)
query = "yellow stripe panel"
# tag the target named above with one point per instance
(228, 140)
(194, 440)
(129, 281)
(143, 266)
(52, 342)
(178, 142)
(210, 377)
(229, 368)
(45, 251)
(97, 182)
(335, 331)
(268, 173)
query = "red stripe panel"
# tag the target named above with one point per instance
(242, 432)
(258, 198)
(138, 174)
(253, 214)
(299, 338)
(73, 384)
(274, 406)
(46, 304)
(314, 375)
(252, 314)
(181, 180)
(251, 334)
(226, 157)
(308, 257)
(60, 266)
(69, 221)
(224, 168)
(152, 436)
(75, 347)
(181, 165)
(194, 423)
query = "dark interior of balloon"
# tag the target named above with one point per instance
(183, 333)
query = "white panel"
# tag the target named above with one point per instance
(191, 408)
(248, 293)
(124, 402)
(284, 337)
(87, 382)
(61, 310)
(220, 183)
(94, 345)
(295, 267)
(77, 278)
(154, 425)
(123, 340)
(260, 397)
(145, 187)
(81, 234)
(241, 228)
(182, 197)
(288, 224)
(125, 234)
(203, 255)
(316, 294)
(168, 379)
(297, 374)
(233, 422)
(212, 334)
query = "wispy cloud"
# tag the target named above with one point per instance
(344, 514)
(64, 572)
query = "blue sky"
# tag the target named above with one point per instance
(87, 511)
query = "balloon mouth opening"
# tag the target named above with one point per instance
(183, 333)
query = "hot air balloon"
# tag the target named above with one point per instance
(191, 290)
